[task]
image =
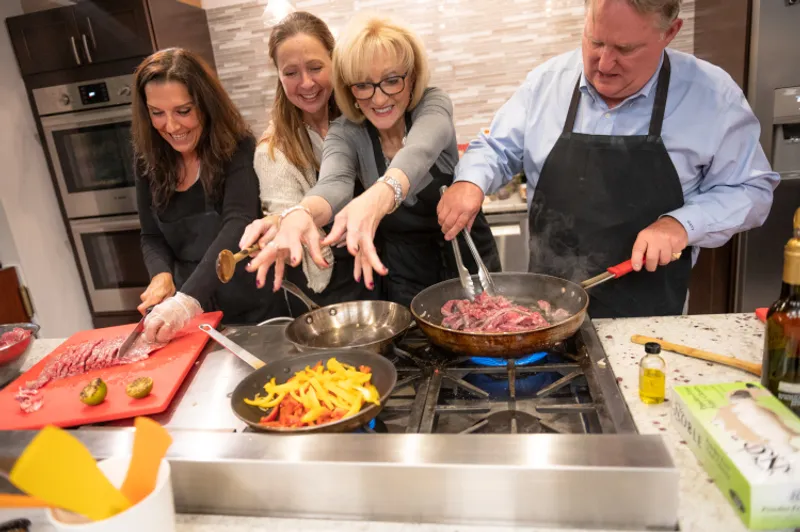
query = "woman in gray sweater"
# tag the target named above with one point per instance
(397, 139)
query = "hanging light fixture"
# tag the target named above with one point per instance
(276, 10)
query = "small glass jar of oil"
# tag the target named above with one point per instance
(652, 375)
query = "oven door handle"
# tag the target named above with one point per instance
(96, 117)
(122, 223)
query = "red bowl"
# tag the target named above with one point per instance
(12, 352)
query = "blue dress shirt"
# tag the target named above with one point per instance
(710, 132)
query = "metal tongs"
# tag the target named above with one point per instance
(466, 279)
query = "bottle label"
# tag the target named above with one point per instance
(789, 394)
(789, 387)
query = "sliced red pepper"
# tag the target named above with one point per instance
(272, 416)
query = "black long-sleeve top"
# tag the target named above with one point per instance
(238, 205)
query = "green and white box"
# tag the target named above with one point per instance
(749, 443)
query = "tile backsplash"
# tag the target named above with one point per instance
(479, 51)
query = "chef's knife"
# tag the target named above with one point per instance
(126, 345)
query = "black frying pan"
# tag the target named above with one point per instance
(384, 378)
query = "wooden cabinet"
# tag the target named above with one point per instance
(12, 304)
(100, 32)
(721, 36)
(113, 29)
(46, 40)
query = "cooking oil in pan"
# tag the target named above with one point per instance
(652, 375)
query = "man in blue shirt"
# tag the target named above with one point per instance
(630, 152)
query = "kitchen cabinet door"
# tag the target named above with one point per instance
(12, 306)
(45, 40)
(113, 29)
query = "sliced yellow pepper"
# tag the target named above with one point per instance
(321, 389)
(355, 408)
(370, 395)
(313, 414)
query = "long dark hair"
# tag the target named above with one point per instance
(223, 125)
(289, 134)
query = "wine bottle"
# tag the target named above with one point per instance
(780, 371)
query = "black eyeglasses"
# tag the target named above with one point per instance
(390, 86)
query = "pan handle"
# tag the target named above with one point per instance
(231, 346)
(614, 272)
(273, 321)
(296, 292)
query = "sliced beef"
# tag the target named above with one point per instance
(79, 359)
(15, 335)
(497, 314)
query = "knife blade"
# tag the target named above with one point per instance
(126, 345)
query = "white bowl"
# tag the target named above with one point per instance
(155, 512)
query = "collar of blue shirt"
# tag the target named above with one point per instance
(644, 92)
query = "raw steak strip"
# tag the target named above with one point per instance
(79, 359)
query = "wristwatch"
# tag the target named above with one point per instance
(396, 187)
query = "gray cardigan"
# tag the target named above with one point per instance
(347, 153)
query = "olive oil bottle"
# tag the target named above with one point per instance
(780, 372)
(652, 375)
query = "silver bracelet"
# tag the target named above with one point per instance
(396, 187)
(290, 210)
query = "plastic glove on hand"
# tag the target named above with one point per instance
(169, 317)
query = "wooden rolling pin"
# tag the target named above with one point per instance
(750, 367)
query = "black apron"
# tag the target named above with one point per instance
(342, 286)
(595, 193)
(411, 244)
(238, 299)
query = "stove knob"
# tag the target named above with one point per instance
(64, 99)
(124, 91)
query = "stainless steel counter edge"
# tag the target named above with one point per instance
(589, 481)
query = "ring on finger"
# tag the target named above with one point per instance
(676, 255)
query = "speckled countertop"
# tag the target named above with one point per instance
(702, 506)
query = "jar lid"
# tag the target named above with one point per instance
(653, 348)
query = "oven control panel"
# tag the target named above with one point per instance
(93, 93)
(83, 95)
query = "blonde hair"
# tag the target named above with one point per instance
(365, 39)
(289, 134)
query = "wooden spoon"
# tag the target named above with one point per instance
(750, 367)
(226, 261)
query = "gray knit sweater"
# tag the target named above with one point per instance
(347, 154)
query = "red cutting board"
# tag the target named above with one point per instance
(62, 407)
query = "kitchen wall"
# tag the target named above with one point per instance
(33, 235)
(480, 50)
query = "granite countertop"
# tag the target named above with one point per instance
(702, 506)
(512, 204)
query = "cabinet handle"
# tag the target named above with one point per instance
(75, 50)
(86, 47)
(91, 33)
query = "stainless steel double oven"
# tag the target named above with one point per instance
(87, 129)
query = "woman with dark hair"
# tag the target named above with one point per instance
(196, 192)
(287, 158)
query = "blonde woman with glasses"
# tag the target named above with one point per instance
(397, 139)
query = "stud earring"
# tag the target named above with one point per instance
(357, 107)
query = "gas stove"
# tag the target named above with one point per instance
(553, 392)
(436, 393)
(543, 440)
